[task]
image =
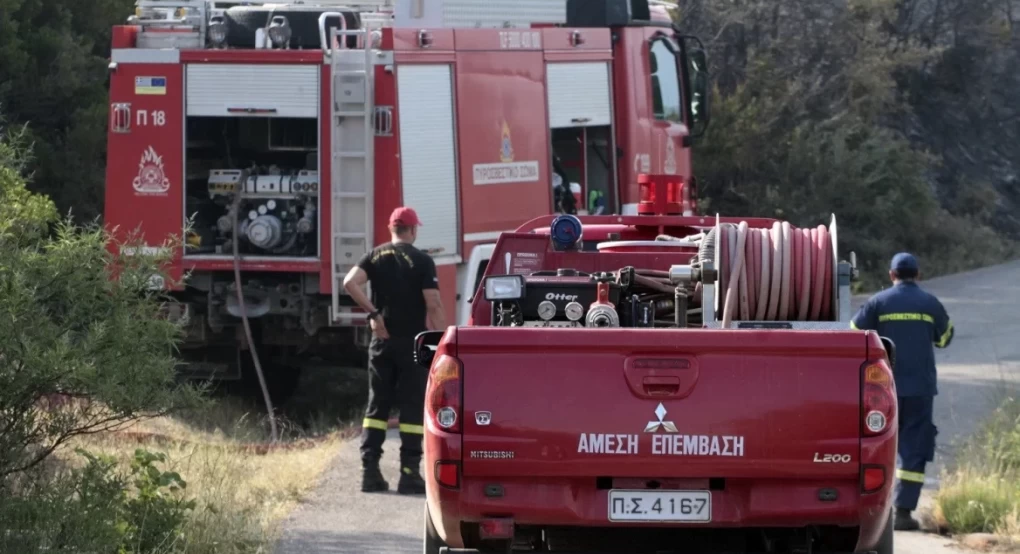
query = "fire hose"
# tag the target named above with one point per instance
(778, 274)
(235, 207)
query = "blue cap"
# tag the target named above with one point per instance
(903, 260)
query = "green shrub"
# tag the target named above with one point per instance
(98, 509)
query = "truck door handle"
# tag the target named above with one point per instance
(661, 376)
(661, 386)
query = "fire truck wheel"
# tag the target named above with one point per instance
(432, 542)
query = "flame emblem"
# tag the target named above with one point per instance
(506, 149)
(151, 178)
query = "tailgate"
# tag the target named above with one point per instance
(661, 403)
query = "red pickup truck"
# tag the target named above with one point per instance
(595, 402)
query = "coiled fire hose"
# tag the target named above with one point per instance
(235, 207)
(777, 274)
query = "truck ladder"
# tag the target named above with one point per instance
(352, 175)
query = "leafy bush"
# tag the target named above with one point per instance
(81, 352)
(97, 509)
(154, 517)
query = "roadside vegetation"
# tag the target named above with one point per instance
(983, 494)
(102, 449)
(881, 112)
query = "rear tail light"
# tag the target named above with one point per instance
(872, 478)
(879, 398)
(443, 395)
(448, 474)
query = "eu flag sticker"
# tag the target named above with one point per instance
(150, 85)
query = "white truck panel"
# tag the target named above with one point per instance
(428, 153)
(579, 94)
(291, 90)
(478, 13)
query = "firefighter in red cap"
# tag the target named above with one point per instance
(405, 301)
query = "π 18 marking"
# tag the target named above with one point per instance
(158, 118)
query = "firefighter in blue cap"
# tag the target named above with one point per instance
(916, 322)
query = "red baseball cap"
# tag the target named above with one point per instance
(404, 216)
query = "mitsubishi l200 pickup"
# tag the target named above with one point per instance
(660, 384)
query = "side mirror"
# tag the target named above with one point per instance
(696, 72)
(425, 344)
(890, 348)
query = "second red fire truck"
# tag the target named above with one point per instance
(289, 131)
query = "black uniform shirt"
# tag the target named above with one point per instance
(398, 273)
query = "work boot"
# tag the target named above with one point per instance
(903, 521)
(410, 481)
(372, 479)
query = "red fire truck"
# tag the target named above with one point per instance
(287, 132)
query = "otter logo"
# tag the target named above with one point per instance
(562, 297)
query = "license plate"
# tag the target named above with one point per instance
(659, 505)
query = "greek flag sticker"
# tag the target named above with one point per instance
(150, 85)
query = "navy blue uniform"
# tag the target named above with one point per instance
(916, 322)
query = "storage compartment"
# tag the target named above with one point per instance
(579, 94)
(582, 157)
(252, 90)
(278, 214)
(428, 154)
(581, 118)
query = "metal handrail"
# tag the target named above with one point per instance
(327, 46)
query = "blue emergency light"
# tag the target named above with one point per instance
(566, 231)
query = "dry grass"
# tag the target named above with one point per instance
(244, 487)
(983, 494)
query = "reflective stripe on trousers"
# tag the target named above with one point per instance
(916, 448)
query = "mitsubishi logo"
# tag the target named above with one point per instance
(653, 426)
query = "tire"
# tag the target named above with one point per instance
(431, 542)
(885, 543)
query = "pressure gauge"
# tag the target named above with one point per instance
(262, 210)
(546, 310)
(252, 215)
(271, 204)
(574, 311)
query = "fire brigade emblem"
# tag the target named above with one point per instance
(506, 147)
(151, 178)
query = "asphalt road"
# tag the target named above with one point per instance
(984, 358)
